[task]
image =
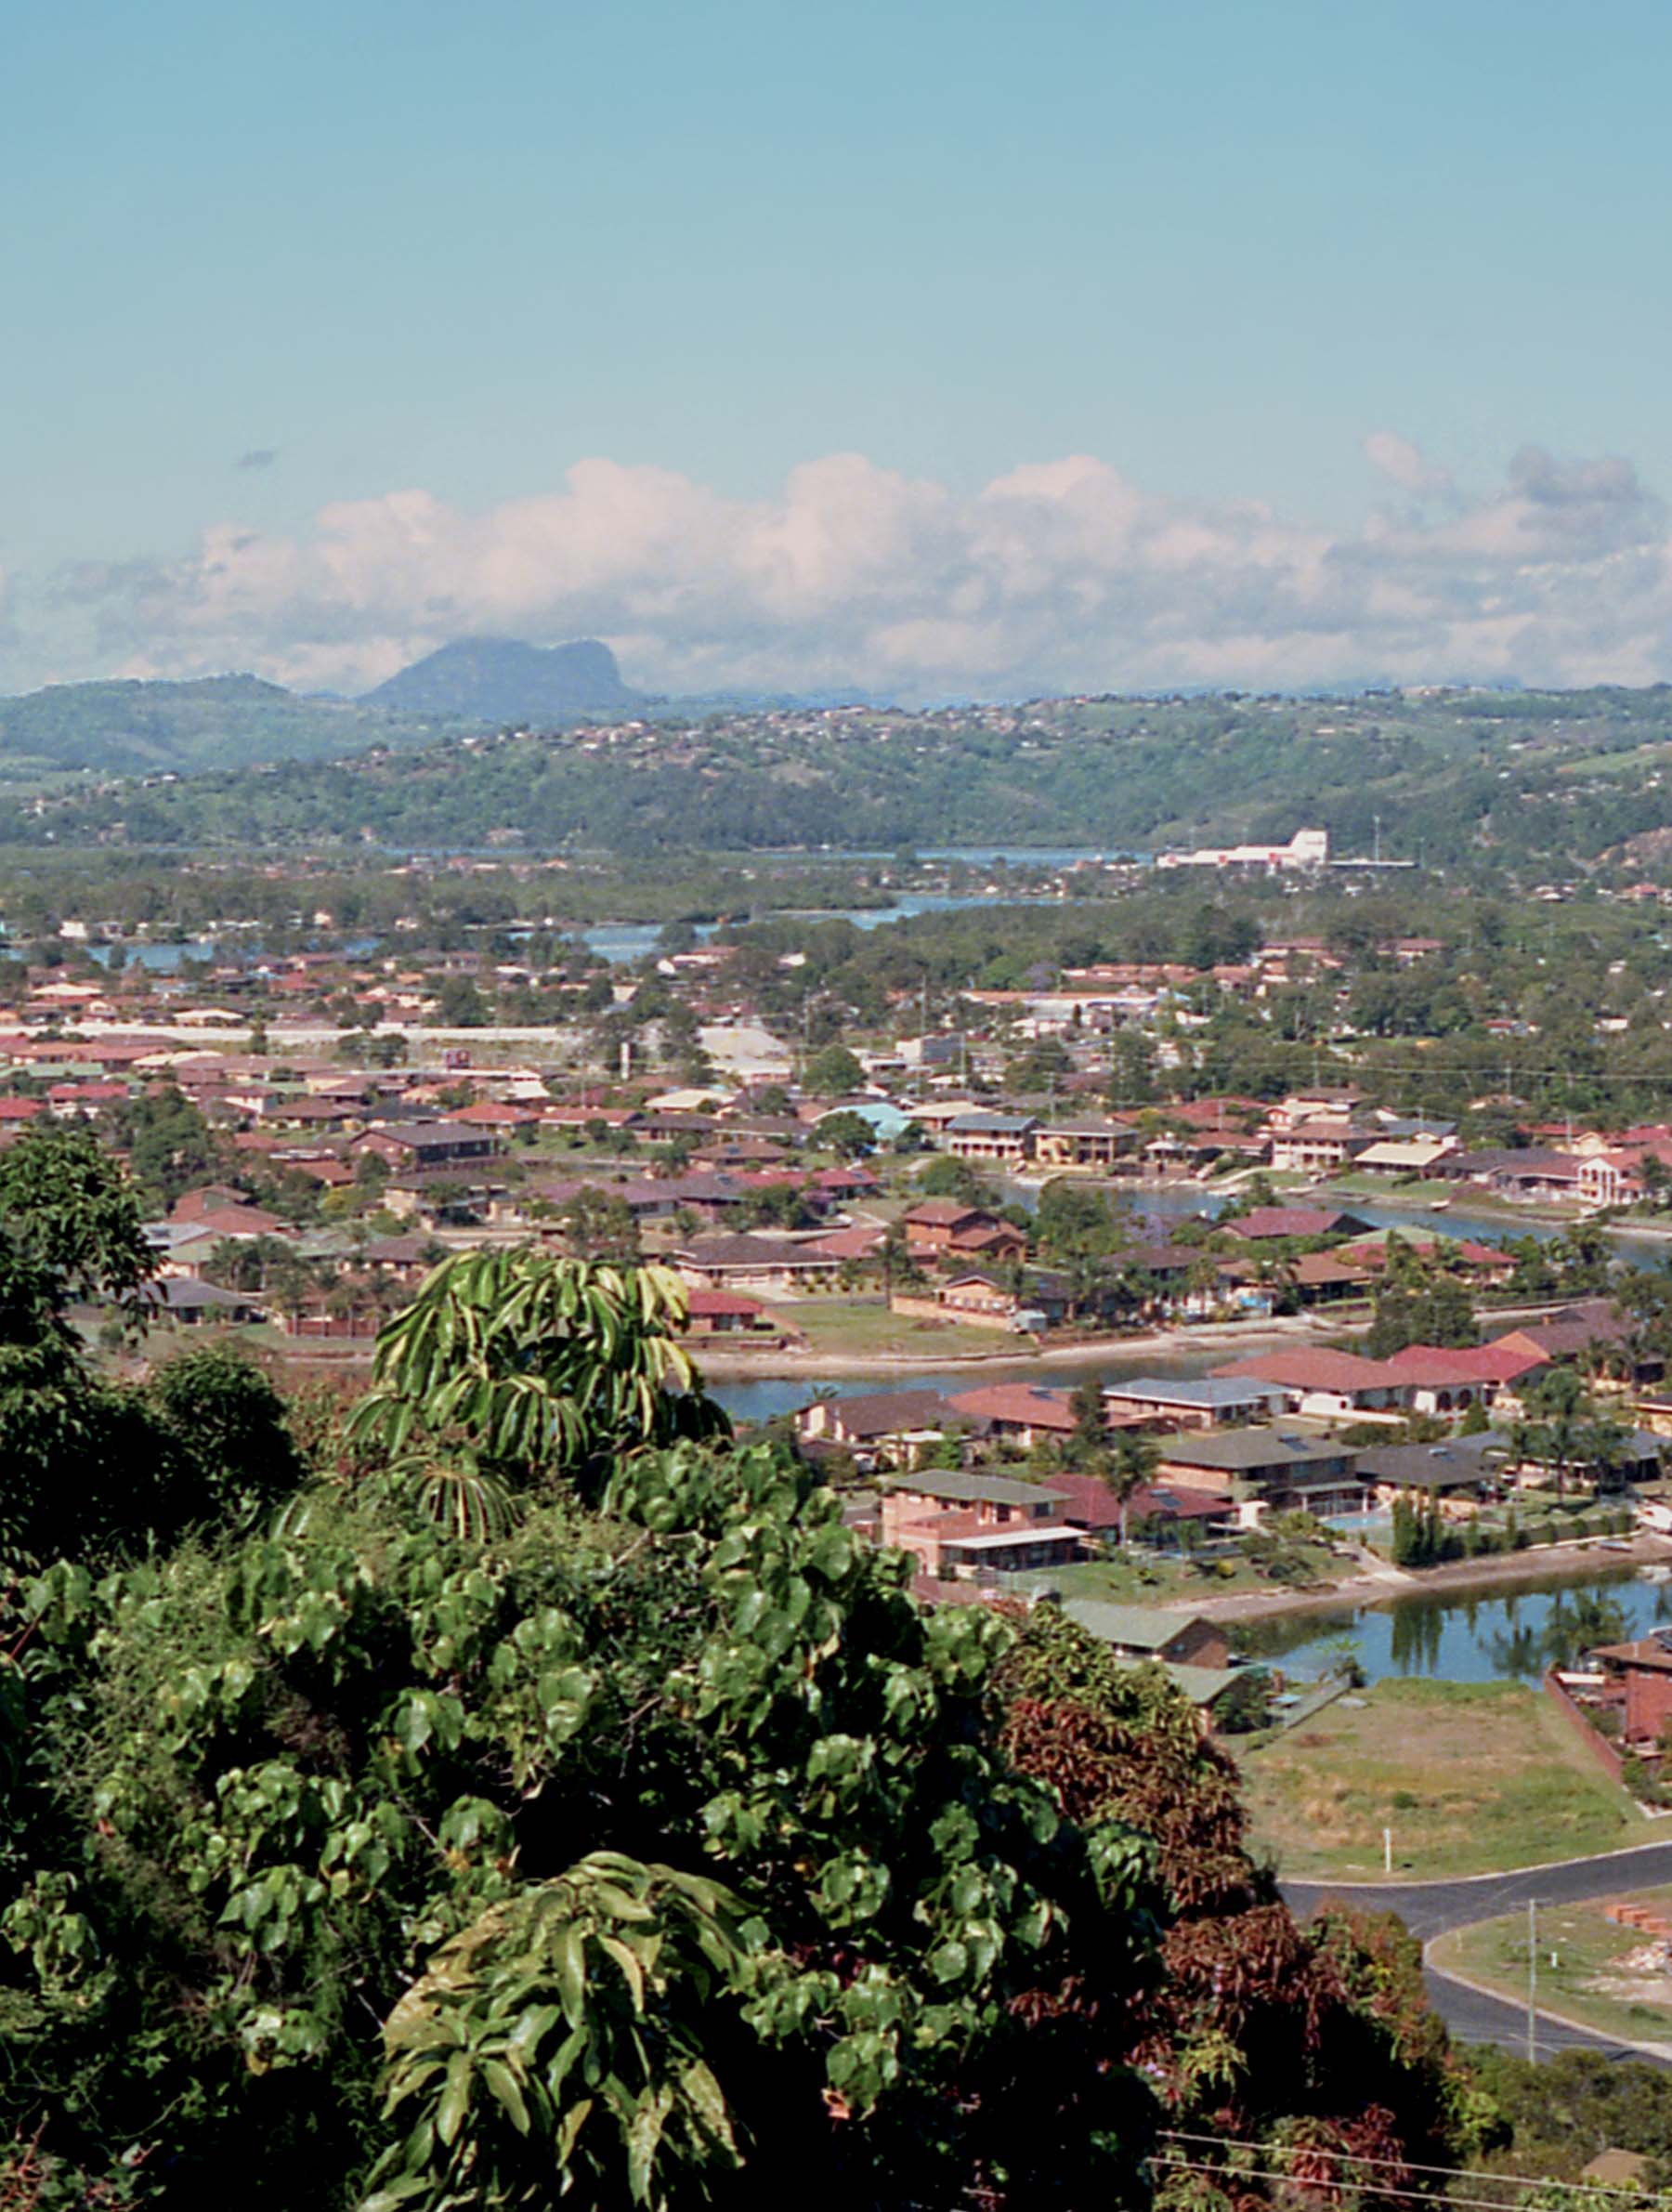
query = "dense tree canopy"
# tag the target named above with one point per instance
(640, 1838)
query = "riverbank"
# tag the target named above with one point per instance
(1206, 1338)
(1383, 1584)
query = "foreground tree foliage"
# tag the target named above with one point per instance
(664, 1841)
(1314, 2047)
(90, 1467)
(642, 1842)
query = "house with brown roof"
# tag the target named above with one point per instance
(1325, 1278)
(1574, 1330)
(1314, 1380)
(219, 1211)
(1268, 1467)
(445, 1144)
(988, 1243)
(751, 1263)
(1526, 1173)
(1156, 1513)
(931, 1223)
(884, 1428)
(1264, 1224)
(848, 1247)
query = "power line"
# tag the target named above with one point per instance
(1407, 2165)
(1385, 2191)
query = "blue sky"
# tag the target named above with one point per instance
(455, 253)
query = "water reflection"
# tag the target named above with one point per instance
(1417, 1634)
(1474, 1636)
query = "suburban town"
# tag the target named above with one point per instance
(1251, 1268)
(836, 1110)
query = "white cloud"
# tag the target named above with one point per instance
(1405, 464)
(1062, 575)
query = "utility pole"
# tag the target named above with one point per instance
(1531, 1983)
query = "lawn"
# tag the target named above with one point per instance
(1146, 1580)
(862, 1326)
(1471, 1777)
(1618, 1979)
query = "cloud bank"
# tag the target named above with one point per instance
(1060, 576)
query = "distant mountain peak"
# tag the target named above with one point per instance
(502, 679)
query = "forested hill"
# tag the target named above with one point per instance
(1544, 778)
(129, 727)
(220, 722)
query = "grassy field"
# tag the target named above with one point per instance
(1144, 1580)
(1614, 1979)
(1470, 1776)
(862, 1326)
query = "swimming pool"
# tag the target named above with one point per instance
(1380, 1522)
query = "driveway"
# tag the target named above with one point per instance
(1429, 1909)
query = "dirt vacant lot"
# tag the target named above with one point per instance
(1470, 1777)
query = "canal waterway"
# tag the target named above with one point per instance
(1463, 1636)
(1159, 1204)
(763, 1397)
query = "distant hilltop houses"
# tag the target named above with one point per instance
(1305, 849)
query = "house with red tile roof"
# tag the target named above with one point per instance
(965, 1524)
(728, 1312)
(490, 1113)
(1422, 1378)
(1314, 1380)
(1023, 1412)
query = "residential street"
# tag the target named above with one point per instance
(1429, 1909)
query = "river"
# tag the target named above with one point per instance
(623, 941)
(620, 941)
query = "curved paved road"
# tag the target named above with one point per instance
(1428, 1909)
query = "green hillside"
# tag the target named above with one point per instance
(1544, 778)
(220, 722)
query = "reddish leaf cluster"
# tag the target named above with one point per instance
(1314, 2044)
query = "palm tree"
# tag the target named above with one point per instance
(1085, 1284)
(1203, 1278)
(1558, 1401)
(1129, 1470)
